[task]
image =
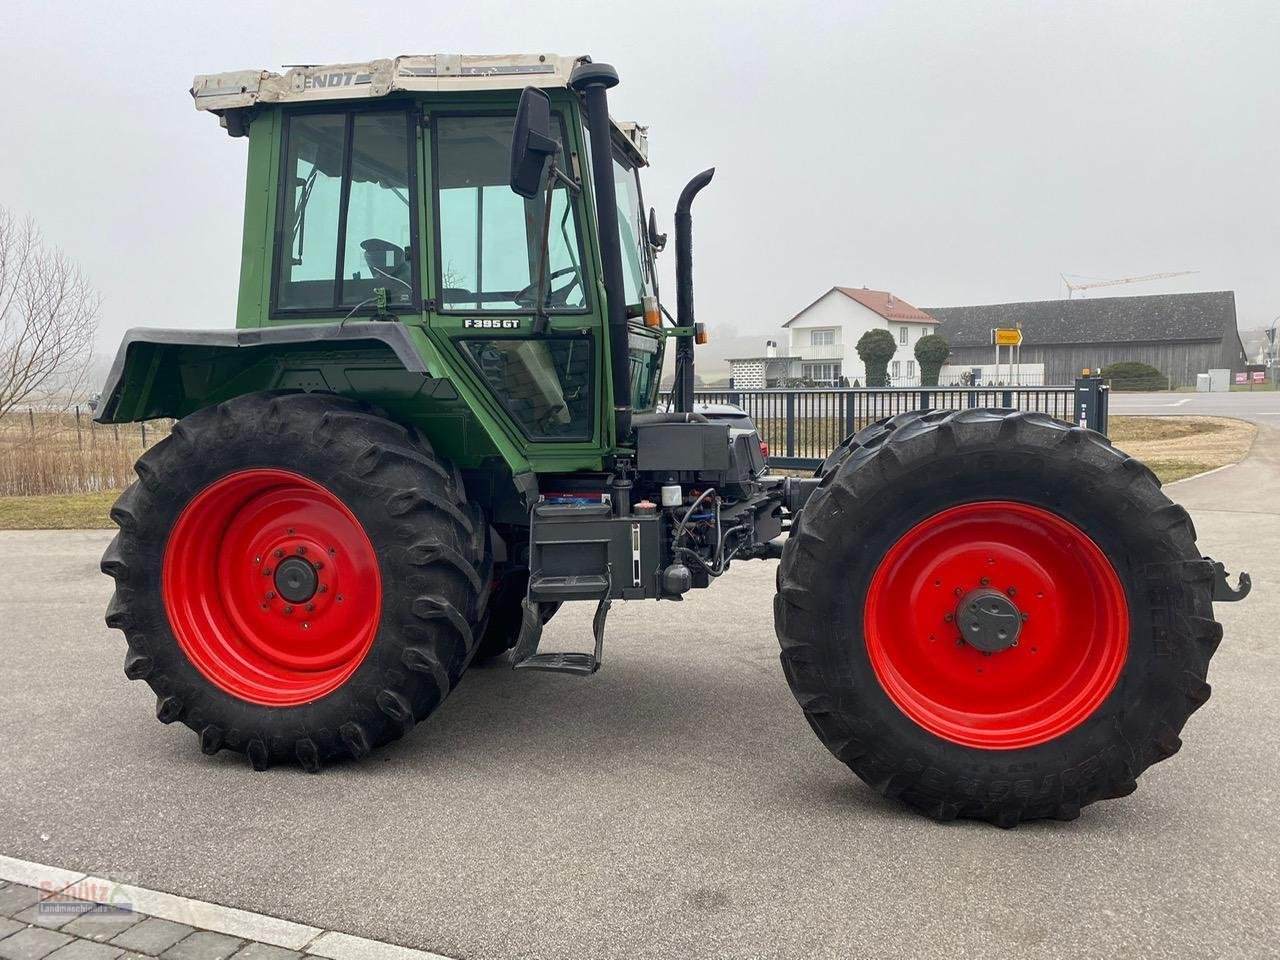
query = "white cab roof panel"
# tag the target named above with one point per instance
(429, 73)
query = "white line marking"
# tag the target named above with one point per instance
(328, 944)
(343, 946)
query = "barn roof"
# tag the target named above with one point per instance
(1171, 316)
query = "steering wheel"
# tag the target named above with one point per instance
(555, 298)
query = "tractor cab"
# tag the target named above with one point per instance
(383, 191)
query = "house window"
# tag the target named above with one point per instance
(896, 370)
(820, 372)
(822, 338)
(911, 368)
(902, 334)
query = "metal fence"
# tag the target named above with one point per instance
(802, 426)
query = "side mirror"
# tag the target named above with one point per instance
(531, 142)
(656, 240)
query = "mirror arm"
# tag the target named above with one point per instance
(539, 305)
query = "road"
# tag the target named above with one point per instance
(675, 805)
(1262, 406)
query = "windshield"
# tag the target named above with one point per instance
(490, 238)
(637, 277)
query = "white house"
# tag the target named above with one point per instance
(824, 335)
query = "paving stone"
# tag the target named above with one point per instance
(102, 926)
(8, 926)
(85, 950)
(265, 951)
(33, 943)
(55, 912)
(134, 956)
(15, 898)
(152, 936)
(203, 945)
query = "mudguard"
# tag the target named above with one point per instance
(171, 373)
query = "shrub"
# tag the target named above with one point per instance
(1132, 375)
(876, 348)
(931, 353)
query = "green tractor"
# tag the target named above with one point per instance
(437, 419)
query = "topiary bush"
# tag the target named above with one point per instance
(876, 348)
(931, 353)
(1132, 375)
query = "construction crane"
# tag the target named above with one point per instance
(1091, 282)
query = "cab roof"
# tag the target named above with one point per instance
(218, 93)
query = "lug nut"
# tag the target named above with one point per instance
(271, 594)
(1012, 591)
(279, 554)
(319, 564)
(323, 588)
(985, 581)
(291, 531)
(959, 592)
(339, 598)
(301, 551)
(948, 617)
(266, 571)
(288, 608)
(310, 607)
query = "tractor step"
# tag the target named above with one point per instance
(589, 587)
(579, 664)
(525, 656)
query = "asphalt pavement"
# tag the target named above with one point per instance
(1259, 406)
(674, 805)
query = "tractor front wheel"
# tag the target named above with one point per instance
(298, 578)
(993, 614)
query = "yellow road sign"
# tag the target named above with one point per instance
(1007, 337)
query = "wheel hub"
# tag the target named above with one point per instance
(272, 587)
(996, 624)
(988, 620)
(296, 580)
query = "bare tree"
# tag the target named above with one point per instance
(48, 318)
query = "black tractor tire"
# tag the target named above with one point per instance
(897, 477)
(428, 557)
(504, 615)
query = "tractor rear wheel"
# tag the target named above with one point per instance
(298, 578)
(993, 614)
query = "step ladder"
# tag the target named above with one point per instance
(542, 589)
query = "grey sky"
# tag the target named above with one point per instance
(952, 152)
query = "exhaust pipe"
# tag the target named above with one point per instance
(592, 80)
(682, 392)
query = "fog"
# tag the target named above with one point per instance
(953, 153)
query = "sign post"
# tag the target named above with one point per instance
(1010, 337)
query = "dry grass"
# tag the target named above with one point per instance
(47, 453)
(1180, 447)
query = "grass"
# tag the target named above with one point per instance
(1180, 447)
(1174, 447)
(66, 511)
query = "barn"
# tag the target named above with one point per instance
(1181, 334)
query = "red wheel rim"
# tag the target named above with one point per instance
(1071, 644)
(240, 599)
